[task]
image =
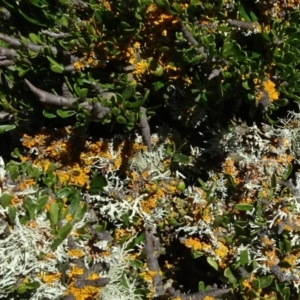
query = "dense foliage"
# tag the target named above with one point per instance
(96, 203)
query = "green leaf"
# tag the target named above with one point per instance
(139, 239)
(125, 25)
(286, 293)
(5, 200)
(30, 207)
(121, 119)
(97, 183)
(56, 243)
(146, 95)
(55, 66)
(53, 214)
(177, 7)
(63, 193)
(233, 50)
(246, 85)
(137, 16)
(230, 181)
(203, 185)
(243, 14)
(57, 69)
(32, 285)
(181, 158)
(271, 121)
(64, 231)
(74, 207)
(244, 259)
(80, 212)
(128, 92)
(125, 219)
(83, 42)
(37, 3)
(201, 286)
(228, 274)
(35, 38)
(273, 181)
(21, 289)
(31, 20)
(197, 254)
(4, 128)
(253, 16)
(194, 2)
(134, 104)
(265, 281)
(136, 263)
(174, 222)
(163, 49)
(243, 207)
(12, 212)
(83, 93)
(159, 3)
(213, 263)
(48, 115)
(41, 202)
(281, 102)
(65, 113)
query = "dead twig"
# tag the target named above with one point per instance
(188, 36)
(49, 98)
(5, 13)
(171, 293)
(54, 34)
(14, 42)
(145, 128)
(6, 63)
(243, 24)
(10, 53)
(152, 263)
(97, 109)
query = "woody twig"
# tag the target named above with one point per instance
(97, 109)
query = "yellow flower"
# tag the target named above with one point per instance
(75, 253)
(141, 67)
(75, 271)
(50, 278)
(164, 32)
(222, 250)
(193, 243)
(269, 87)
